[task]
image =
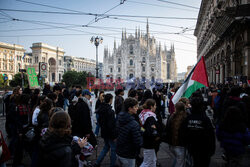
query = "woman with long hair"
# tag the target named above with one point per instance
(151, 133)
(36, 109)
(174, 133)
(55, 145)
(99, 102)
(233, 135)
(43, 116)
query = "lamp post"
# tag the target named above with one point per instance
(97, 40)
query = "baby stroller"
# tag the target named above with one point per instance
(86, 152)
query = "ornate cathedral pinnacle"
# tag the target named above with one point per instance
(147, 29)
(125, 34)
(122, 34)
(114, 44)
(136, 32)
(139, 33)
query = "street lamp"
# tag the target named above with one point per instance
(96, 41)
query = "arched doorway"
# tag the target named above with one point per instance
(238, 57)
(52, 70)
(131, 76)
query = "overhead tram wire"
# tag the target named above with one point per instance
(179, 4)
(150, 4)
(54, 7)
(96, 19)
(70, 29)
(105, 15)
(49, 6)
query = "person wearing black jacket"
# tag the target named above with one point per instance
(98, 103)
(129, 139)
(82, 126)
(199, 135)
(55, 145)
(119, 101)
(107, 123)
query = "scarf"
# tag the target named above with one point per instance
(146, 113)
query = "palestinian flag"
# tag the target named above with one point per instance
(196, 79)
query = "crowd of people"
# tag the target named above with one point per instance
(55, 126)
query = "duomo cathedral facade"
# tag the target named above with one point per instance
(140, 57)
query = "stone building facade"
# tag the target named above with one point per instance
(223, 38)
(11, 59)
(140, 57)
(81, 64)
(53, 56)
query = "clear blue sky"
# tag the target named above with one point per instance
(77, 42)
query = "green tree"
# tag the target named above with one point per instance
(70, 78)
(3, 83)
(17, 80)
(75, 78)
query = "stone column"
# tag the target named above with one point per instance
(247, 61)
(233, 65)
(221, 73)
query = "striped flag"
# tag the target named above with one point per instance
(196, 79)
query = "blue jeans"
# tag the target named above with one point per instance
(97, 125)
(108, 144)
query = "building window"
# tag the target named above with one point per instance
(131, 62)
(144, 60)
(44, 59)
(60, 77)
(143, 69)
(11, 57)
(60, 62)
(111, 70)
(168, 71)
(5, 66)
(36, 59)
(119, 61)
(131, 49)
(10, 67)
(5, 57)
(119, 69)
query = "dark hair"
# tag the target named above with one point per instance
(129, 102)
(46, 106)
(36, 91)
(78, 93)
(233, 121)
(149, 103)
(52, 96)
(54, 110)
(132, 93)
(57, 87)
(179, 106)
(108, 97)
(197, 104)
(60, 124)
(23, 99)
(39, 99)
(101, 92)
(66, 93)
(119, 91)
(146, 95)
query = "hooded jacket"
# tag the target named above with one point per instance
(107, 121)
(56, 151)
(129, 139)
(81, 125)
